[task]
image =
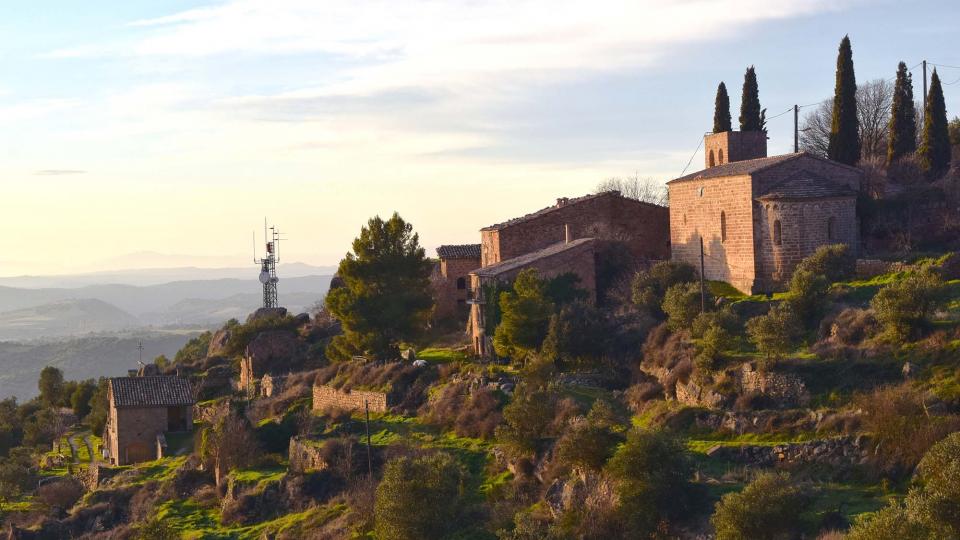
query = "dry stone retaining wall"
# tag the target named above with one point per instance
(305, 456)
(328, 397)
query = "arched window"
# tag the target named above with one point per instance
(461, 283)
(777, 238)
(831, 228)
(723, 226)
(720, 157)
(710, 159)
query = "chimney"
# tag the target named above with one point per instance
(562, 201)
(566, 233)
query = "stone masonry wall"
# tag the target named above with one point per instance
(134, 433)
(803, 228)
(452, 300)
(733, 146)
(785, 388)
(579, 260)
(305, 456)
(328, 397)
(643, 226)
(695, 214)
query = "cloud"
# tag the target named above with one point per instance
(59, 172)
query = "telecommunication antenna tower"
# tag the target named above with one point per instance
(268, 264)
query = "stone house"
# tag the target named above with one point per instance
(572, 256)
(451, 280)
(757, 216)
(644, 227)
(141, 411)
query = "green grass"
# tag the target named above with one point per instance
(260, 477)
(440, 355)
(702, 444)
(851, 500)
(196, 522)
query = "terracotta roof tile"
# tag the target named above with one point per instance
(462, 251)
(563, 203)
(738, 168)
(807, 185)
(523, 260)
(156, 391)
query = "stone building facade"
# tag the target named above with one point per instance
(758, 218)
(644, 227)
(451, 280)
(576, 256)
(141, 410)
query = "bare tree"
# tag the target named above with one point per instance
(634, 187)
(874, 99)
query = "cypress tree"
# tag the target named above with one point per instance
(935, 147)
(903, 127)
(750, 114)
(844, 129)
(721, 110)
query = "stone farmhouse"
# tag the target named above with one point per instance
(562, 239)
(452, 278)
(142, 409)
(755, 216)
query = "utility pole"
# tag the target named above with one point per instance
(923, 113)
(703, 290)
(796, 129)
(366, 405)
(140, 351)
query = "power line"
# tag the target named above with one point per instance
(693, 156)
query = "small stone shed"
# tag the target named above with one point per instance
(142, 410)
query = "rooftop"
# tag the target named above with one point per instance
(562, 203)
(739, 168)
(460, 251)
(523, 260)
(807, 185)
(153, 391)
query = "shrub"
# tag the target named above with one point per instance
(650, 285)
(852, 326)
(902, 430)
(524, 317)
(469, 414)
(651, 471)
(527, 419)
(770, 507)
(419, 498)
(62, 494)
(682, 304)
(716, 331)
(639, 394)
(773, 334)
(575, 337)
(808, 295)
(833, 262)
(903, 307)
(587, 445)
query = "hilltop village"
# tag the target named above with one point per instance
(771, 354)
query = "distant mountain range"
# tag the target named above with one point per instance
(88, 357)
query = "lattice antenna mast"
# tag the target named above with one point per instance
(268, 264)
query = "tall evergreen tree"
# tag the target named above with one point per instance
(844, 128)
(935, 146)
(721, 110)
(751, 117)
(903, 128)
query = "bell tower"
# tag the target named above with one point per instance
(727, 146)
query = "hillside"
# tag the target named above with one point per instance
(63, 318)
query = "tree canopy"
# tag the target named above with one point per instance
(751, 115)
(844, 127)
(386, 296)
(721, 110)
(903, 124)
(935, 148)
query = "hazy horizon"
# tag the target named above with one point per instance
(174, 127)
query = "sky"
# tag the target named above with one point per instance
(151, 133)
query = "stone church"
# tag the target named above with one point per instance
(755, 216)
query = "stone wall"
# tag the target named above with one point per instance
(804, 227)
(305, 456)
(785, 388)
(644, 227)
(694, 395)
(697, 210)
(133, 432)
(327, 397)
(720, 148)
(451, 301)
(868, 268)
(834, 451)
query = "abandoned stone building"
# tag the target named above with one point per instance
(642, 226)
(142, 410)
(451, 280)
(571, 256)
(755, 216)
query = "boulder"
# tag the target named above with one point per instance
(218, 342)
(273, 351)
(268, 313)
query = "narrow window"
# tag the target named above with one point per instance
(711, 159)
(461, 283)
(831, 228)
(720, 157)
(723, 226)
(776, 232)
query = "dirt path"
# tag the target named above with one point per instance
(90, 447)
(72, 441)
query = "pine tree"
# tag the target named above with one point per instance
(935, 148)
(844, 129)
(903, 127)
(750, 113)
(721, 110)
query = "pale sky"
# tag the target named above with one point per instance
(175, 126)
